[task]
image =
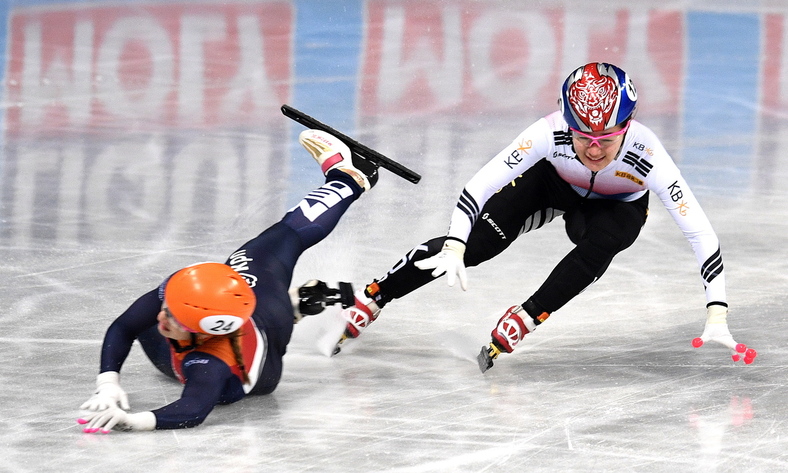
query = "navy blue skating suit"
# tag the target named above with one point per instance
(209, 372)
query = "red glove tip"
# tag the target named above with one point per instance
(697, 342)
(741, 348)
(735, 358)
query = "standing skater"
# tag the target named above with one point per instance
(222, 329)
(590, 162)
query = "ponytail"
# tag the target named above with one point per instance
(235, 343)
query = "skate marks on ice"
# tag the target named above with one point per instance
(460, 344)
(465, 344)
(321, 333)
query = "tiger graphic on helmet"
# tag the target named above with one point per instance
(596, 97)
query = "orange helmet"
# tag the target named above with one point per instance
(209, 298)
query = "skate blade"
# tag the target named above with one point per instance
(484, 359)
(338, 346)
(358, 149)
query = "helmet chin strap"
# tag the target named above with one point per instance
(190, 346)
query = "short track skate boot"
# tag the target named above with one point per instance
(360, 315)
(510, 330)
(314, 295)
(330, 153)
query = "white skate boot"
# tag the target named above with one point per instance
(331, 153)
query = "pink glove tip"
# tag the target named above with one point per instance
(741, 348)
(697, 342)
(81, 421)
(104, 431)
(89, 430)
(749, 357)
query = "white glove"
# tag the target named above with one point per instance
(716, 330)
(449, 261)
(108, 393)
(117, 419)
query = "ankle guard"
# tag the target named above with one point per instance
(536, 312)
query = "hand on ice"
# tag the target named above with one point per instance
(716, 330)
(108, 393)
(117, 419)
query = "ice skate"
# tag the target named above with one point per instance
(358, 317)
(359, 150)
(331, 153)
(314, 296)
(513, 325)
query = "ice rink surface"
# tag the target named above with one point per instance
(139, 137)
